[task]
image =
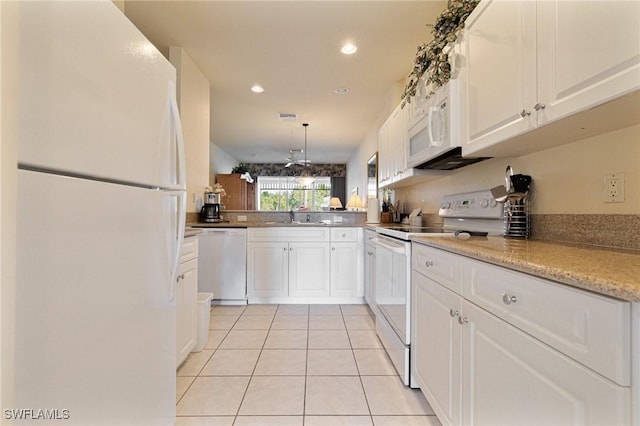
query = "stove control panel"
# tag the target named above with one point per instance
(479, 204)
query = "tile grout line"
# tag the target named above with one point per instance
(244, 395)
(364, 393)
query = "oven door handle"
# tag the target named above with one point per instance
(393, 247)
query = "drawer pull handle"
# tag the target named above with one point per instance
(180, 277)
(453, 313)
(524, 113)
(462, 320)
(428, 263)
(539, 106)
(508, 299)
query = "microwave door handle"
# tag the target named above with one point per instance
(432, 112)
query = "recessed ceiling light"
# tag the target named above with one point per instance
(349, 49)
(342, 90)
(257, 88)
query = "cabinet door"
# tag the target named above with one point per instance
(588, 53)
(384, 162)
(500, 76)
(435, 347)
(236, 190)
(267, 269)
(345, 270)
(510, 378)
(309, 269)
(186, 309)
(370, 276)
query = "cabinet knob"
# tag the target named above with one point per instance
(508, 299)
(539, 106)
(524, 113)
(284, 248)
(453, 313)
(180, 277)
(428, 263)
(462, 320)
(333, 248)
(290, 248)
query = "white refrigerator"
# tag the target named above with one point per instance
(101, 206)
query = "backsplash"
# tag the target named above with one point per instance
(603, 230)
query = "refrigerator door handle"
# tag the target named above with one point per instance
(181, 164)
(181, 207)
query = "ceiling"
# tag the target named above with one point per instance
(292, 49)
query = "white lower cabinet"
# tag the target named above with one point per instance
(187, 300)
(435, 347)
(370, 269)
(497, 364)
(304, 263)
(267, 269)
(511, 378)
(309, 269)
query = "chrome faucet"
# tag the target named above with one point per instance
(291, 215)
(308, 217)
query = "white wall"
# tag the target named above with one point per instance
(193, 102)
(220, 161)
(568, 179)
(9, 72)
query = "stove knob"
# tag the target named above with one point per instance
(493, 203)
(484, 204)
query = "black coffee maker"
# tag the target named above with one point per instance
(210, 212)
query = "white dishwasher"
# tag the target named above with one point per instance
(222, 264)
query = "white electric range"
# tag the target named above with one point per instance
(472, 213)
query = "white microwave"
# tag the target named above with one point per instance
(435, 132)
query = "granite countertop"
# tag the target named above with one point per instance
(610, 272)
(191, 232)
(200, 225)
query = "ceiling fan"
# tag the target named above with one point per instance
(293, 158)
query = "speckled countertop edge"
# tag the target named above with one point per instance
(614, 273)
(200, 225)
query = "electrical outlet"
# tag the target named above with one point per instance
(242, 218)
(614, 188)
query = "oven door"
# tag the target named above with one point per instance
(392, 291)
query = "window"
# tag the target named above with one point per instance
(284, 193)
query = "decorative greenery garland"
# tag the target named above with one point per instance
(430, 57)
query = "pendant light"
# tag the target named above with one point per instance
(305, 179)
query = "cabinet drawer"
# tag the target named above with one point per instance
(369, 235)
(442, 267)
(344, 234)
(590, 328)
(301, 233)
(189, 249)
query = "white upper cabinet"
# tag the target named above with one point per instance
(588, 53)
(527, 64)
(499, 72)
(392, 139)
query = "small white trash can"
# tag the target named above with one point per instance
(204, 312)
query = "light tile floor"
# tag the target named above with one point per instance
(302, 365)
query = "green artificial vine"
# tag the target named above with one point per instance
(430, 57)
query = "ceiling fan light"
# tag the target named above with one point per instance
(256, 88)
(349, 49)
(305, 180)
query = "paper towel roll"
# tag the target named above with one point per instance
(373, 211)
